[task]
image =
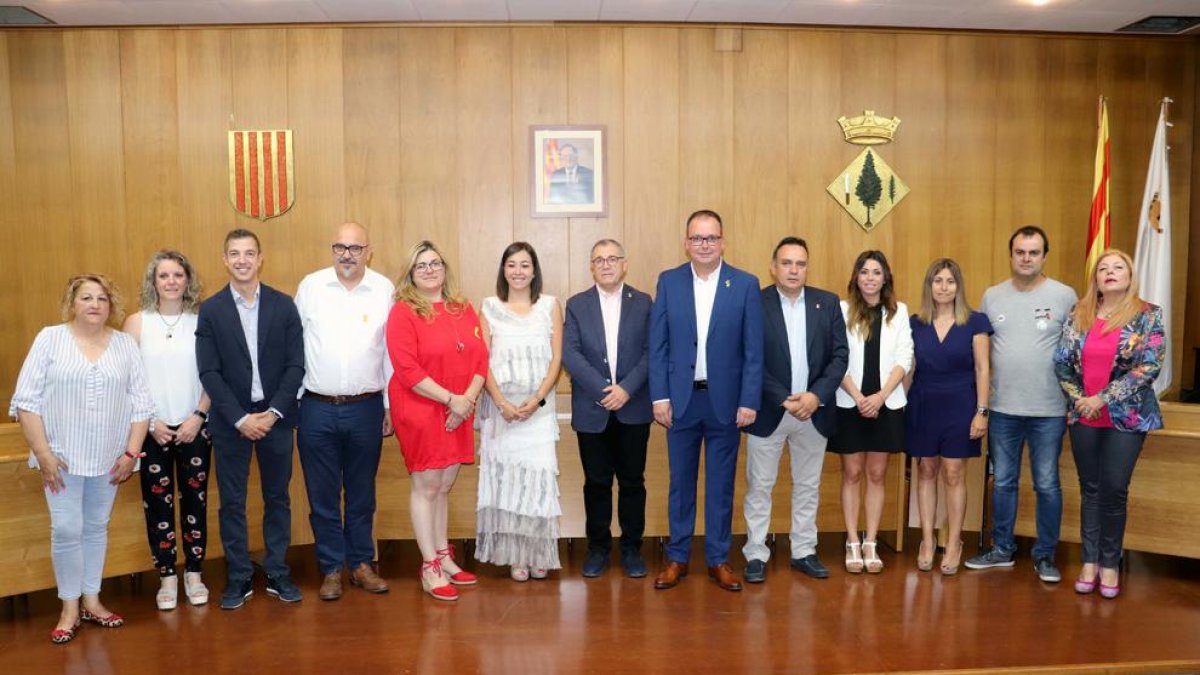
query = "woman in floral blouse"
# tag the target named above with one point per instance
(1108, 357)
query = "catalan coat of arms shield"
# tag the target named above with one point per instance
(262, 181)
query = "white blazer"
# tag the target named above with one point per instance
(895, 349)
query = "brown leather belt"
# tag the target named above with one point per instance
(341, 400)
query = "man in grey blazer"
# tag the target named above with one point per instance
(606, 350)
(804, 360)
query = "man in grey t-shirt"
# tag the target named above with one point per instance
(1027, 406)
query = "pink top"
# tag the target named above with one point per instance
(1099, 352)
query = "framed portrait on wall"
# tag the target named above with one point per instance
(569, 177)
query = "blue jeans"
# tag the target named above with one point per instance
(1006, 435)
(339, 450)
(79, 533)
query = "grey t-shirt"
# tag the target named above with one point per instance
(1027, 327)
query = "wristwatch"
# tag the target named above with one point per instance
(982, 410)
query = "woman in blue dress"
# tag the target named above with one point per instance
(947, 403)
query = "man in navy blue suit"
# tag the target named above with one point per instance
(805, 354)
(706, 363)
(606, 350)
(250, 350)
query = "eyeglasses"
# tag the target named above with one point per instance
(710, 240)
(607, 262)
(353, 249)
(431, 266)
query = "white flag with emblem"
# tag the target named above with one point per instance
(1153, 256)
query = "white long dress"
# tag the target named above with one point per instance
(518, 508)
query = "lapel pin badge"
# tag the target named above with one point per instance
(726, 283)
(818, 305)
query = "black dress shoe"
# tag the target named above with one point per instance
(632, 563)
(756, 572)
(811, 566)
(595, 564)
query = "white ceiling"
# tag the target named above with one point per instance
(1095, 16)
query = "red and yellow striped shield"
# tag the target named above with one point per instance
(261, 178)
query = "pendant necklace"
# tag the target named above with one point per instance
(458, 343)
(170, 326)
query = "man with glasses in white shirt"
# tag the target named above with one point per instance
(706, 368)
(606, 351)
(343, 417)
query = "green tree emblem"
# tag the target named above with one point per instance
(869, 188)
(892, 188)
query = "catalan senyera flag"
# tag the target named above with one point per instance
(1099, 225)
(1152, 259)
(261, 176)
(551, 163)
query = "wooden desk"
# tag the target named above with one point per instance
(25, 523)
(1164, 497)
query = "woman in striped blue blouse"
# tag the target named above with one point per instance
(84, 407)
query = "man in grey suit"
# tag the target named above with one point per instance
(606, 350)
(804, 360)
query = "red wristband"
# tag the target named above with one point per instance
(134, 455)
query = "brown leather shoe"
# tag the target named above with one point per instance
(331, 586)
(670, 575)
(724, 576)
(364, 577)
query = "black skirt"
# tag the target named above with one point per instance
(856, 433)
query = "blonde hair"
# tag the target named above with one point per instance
(191, 292)
(406, 290)
(116, 304)
(1084, 315)
(962, 310)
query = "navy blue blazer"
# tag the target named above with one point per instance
(828, 352)
(585, 355)
(224, 358)
(735, 342)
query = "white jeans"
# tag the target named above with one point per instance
(762, 467)
(79, 533)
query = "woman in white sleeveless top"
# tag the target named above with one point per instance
(178, 450)
(518, 507)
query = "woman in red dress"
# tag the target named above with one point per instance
(440, 362)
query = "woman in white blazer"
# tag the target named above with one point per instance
(871, 400)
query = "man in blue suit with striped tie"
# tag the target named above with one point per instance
(706, 368)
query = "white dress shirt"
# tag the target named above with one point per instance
(248, 313)
(345, 348)
(795, 320)
(610, 312)
(705, 293)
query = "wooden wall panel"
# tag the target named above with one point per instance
(314, 113)
(925, 230)
(42, 157)
(539, 72)
(149, 99)
(705, 136)
(429, 176)
(94, 127)
(260, 84)
(112, 143)
(371, 110)
(204, 82)
(651, 89)
(483, 80)
(760, 139)
(595, 95)
(11, 331)
(816, 153)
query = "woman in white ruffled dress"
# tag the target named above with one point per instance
(518, 509)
